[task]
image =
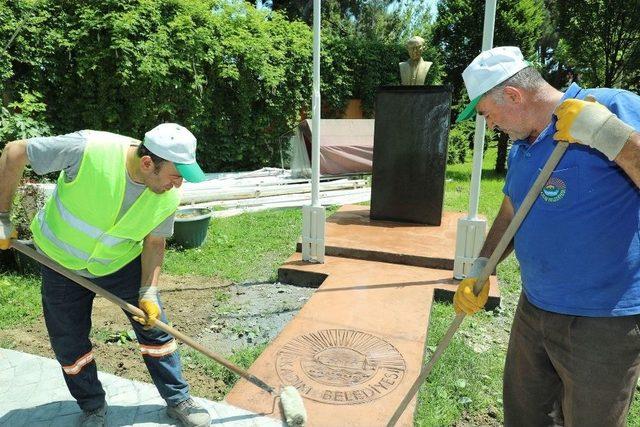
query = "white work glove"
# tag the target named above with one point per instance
(592, 124)
(7, 231)
(149, 302)
(465, 300)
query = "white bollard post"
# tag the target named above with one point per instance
(313, 222)
(469, 240)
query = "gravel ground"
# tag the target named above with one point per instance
(251, 314)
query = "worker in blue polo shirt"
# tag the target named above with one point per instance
(574, 350)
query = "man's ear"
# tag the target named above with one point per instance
(513, 94)
(146, 164)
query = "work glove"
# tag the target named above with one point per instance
(7, 231)
(149, 302)
(464, 300)
(592, 124)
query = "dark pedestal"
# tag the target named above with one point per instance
(410, 153)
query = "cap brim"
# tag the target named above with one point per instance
(191, 173)
(469, 111)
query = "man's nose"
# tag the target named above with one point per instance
(177, 182)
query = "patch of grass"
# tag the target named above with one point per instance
(7, 343)
(464, 380)
(244, 247)
(221, 295)
(20, 302)
(100, 334)
(458, 184)
(121, 337)
(467, 380)
(243, 357)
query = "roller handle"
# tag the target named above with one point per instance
(504, 242)
(44, 260)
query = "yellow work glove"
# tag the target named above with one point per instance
(7, 231)
(464, 300)
(592, 124)
(148, 302)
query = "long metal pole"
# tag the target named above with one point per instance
(315, 104)
(478, 139)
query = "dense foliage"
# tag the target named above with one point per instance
(236, 76)
(239, 74)
(600, 39)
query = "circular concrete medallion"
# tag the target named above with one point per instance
(340, 366)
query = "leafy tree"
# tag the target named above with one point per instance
(331, 9)
(377, 44)
(362, 44)
(458, 30)
(601, 39)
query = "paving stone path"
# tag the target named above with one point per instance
(33, 393)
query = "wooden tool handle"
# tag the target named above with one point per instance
(44, 260)
(506, 238)
(520, 215)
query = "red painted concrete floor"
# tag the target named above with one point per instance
(357, 345)
(351, 233)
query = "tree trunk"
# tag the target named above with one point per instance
(503, 146)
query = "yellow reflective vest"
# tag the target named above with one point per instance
(77, 227)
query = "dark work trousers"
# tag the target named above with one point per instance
(570, 370)
(67, 313)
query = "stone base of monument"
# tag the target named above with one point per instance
(358, 344)
(351, 233)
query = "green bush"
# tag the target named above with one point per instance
(236, 76)
(24, 118)
(460, 139)
(354, 67)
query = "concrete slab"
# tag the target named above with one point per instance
(356, 346)
(33, 393)
(351, 233)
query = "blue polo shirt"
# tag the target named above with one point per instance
(579, 246)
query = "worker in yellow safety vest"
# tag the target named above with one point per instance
(107, 220)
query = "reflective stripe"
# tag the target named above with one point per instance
(79, 364)
(48, 233)
(111, 241)
(44, 227)
(159, 350)
(84, 227)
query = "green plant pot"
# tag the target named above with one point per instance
(25, 264)
(190, 228)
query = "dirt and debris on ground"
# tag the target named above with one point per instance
(488, 419)
(251, 314)
(219, 314)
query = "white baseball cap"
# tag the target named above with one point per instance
(176, 144)
(486, 71)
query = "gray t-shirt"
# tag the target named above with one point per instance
(64, 152)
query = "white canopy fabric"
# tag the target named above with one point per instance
(346, 147)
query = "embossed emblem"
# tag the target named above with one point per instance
(340, 366)
(554, 190)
